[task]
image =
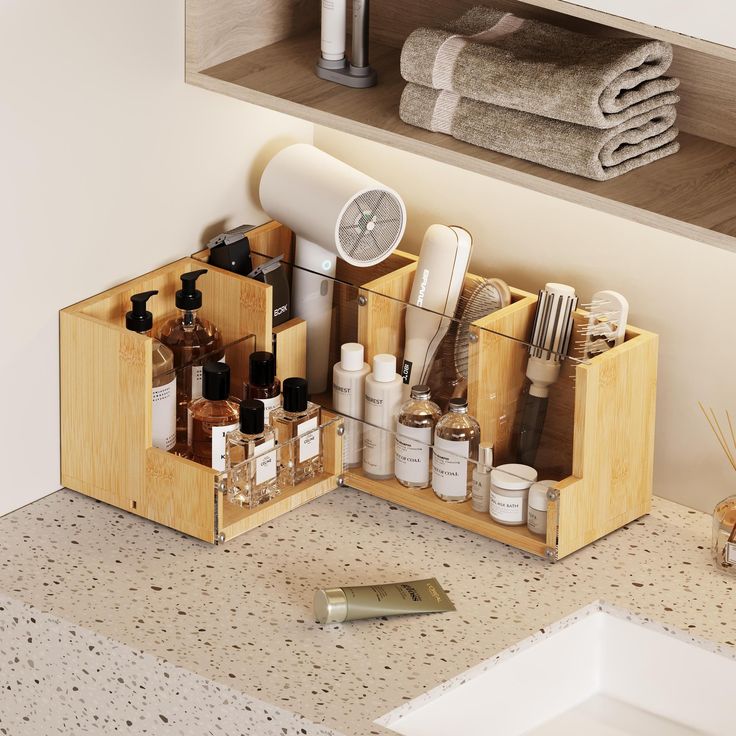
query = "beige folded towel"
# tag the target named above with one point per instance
(596, 153)
(528, 65)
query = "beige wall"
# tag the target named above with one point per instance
(681, 289)
(109, 166)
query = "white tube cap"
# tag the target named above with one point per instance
(351, 356)
(384, 367)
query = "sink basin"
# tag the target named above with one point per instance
(601, 671)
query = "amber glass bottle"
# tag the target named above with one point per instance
(190, 337)
(212, 416)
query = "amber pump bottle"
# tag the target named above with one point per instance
(262, 384)
(163, 397)
(212, 416)
(190, 337)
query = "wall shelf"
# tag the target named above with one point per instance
(692, 193)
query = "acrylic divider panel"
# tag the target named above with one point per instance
(243, 506)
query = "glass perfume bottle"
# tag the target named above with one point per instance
(456, 437)
(414, 431)
(212, 416)
(251, 483)
(298, 419)
(724, 536)
(262, 384)
(189, 337)
(163, 398)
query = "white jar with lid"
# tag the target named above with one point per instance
(536, 518)
(509, 491)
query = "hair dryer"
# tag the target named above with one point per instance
(334, 210)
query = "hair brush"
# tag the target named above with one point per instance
(480, 297)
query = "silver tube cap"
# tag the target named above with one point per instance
(330, 606)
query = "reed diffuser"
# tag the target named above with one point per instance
(724, 514)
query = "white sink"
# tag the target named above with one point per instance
(600, 672)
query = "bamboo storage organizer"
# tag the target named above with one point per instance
(600, 420)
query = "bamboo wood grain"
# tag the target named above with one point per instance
(291, 348)
(614, 443)
(458, 514)
(691, 193)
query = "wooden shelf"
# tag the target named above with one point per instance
(692, 193)
(459, 514)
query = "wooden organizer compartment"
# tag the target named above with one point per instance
(106, 384)
(264, 51)
(599, 430)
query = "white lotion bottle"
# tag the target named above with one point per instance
(383, 398)
(348, 397)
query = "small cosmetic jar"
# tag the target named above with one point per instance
(510, 485)
(536, 518)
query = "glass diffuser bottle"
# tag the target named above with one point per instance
(456, 442)
(414, 431)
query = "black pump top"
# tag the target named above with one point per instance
(262, 368)
(295, 394)
(189, 297)
(139, 319)
(216, 381)
(251, 416)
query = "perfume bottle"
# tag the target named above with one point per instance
(456, 442)
(212, 416)
(414, 431)
(262, 384)
(298, 420)
(724, 536)
(190, 337)
(383, 392)
(481, 494)
(348, 387)
(163, 409)
(251, 483)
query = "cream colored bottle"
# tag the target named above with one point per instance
(383, 394)
(348, 396)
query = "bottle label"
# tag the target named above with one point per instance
(411, 458)
(268, 406)
(507, 508)
(218, 444)
(450, 468)
(309, 439)
(265, 462)
(197, 379)
(537, 520)
(730, 553)
(481, 492)
(163, 415)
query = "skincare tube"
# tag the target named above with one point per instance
(335, 605)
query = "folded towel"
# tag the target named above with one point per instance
(495, 57)
(597, 153)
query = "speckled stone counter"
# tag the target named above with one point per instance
(233, 624)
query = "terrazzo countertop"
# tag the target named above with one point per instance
(225, 635)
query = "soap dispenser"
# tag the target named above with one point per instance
(163, 399)
(190, 337)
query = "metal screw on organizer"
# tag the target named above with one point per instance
(221, 537)
(553, 494)
(550, 554)
(472, 337)
(340, 480)
(362, 301)
(340, 431)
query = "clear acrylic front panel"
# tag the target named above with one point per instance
(490, 351)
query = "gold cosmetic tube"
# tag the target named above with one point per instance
(335, 605)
